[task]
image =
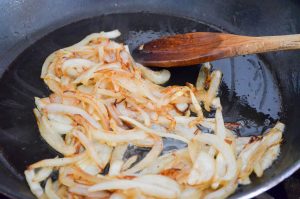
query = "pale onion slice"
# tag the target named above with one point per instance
(114, 114)
(251, 156)
(117, 196)
(213, 88)
(129, 162)
(35, 187)
(113, 139)
(115, 168)
(157, 77)
(147, 188)
(161, 163)
(220, 171)
(244, 181)
(101, 53)
(202, 76)
(108, 93)
(132, 63)
(191, 193)
(46, 64)
(203, 169)
(148, 159)
(126, 111)
(42, 174)
(247, 158)
(52, 67)
(89, 166)
(138, 87)
(194, 148)
(181, 167)
(60, 118)
(62, 191)
(40, 103)
(82, 190)
(160, 181)
(110, 35)
(96, 108)
(65, 80)
(118, 152)
(59, 127)
(208, 123)
(150, 131)
(224, 149)
(55, 98)
(258, 169)
(88, 74)
(53, 85)
(85, 89)
(115, 184)
(143, 113)
(85, 178)
(211, 151)
(116, 161)
(272, 138)
(52, 137)
(223, 192)
(124, 55)
(241, 143)
(88, 144)
(65, 176)
(219, 128)
(189, 122)
(185, 130)
(76, 63)
(166, 99)
(49, 190)
(196, 105)
(104, 152)
(56, 162)
(271, 155)
(112, 45)
(182, 107)
(72, 110)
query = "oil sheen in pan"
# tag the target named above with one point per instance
(248, 92)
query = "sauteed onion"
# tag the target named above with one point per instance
(110, 119)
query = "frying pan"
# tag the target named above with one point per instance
(256, 90)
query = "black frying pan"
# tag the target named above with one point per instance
(257, 90)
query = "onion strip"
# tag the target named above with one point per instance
(57, 161)
(60, 108)
(148, 130)
(223, 148)
(150, 157)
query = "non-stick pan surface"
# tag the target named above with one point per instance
(256, 90)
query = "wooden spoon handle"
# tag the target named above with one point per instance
(251, 45)
(194, 48)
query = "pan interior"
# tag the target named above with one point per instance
(248, 92)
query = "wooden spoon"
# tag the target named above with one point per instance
(194, 48)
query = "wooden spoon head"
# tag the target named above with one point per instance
(183, 49)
